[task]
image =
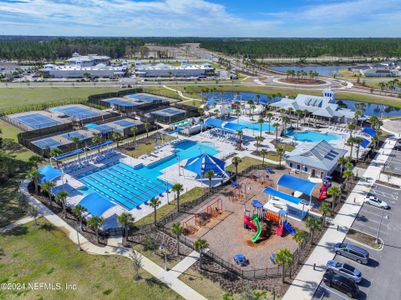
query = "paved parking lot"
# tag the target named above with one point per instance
(393, 164)
(382, 276)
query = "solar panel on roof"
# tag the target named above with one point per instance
(47, 143)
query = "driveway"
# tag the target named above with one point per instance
(382, 276)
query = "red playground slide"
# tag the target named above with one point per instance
(280, 230)
(248, 223)
(323, 193)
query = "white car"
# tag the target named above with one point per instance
(374, 201)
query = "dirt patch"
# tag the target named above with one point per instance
(363, 238)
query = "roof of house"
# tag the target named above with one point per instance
(320, 155)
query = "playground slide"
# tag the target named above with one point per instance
(248, 222)
(259, 231)
(323, 193)
(289, 228)
(279, 230)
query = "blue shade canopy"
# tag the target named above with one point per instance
(205, 162)
(68, 154)
(100, 145)
(296, 184)
(49, 173)
(369, 131)
(211, 102)
(95, 204)
(283, 196)
(365, 143)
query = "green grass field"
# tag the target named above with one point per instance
(12, 97)
(43, 254)
(245, 163)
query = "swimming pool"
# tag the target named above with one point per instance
(255, 126)
(132, 186)
(313, 136)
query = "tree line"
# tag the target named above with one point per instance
(51, 48)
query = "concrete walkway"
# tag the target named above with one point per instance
(308, 279)
(114, 247)
(16, 224)
(180, 94)
(183, 265)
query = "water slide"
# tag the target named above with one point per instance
(280, 230)
(248, 222)
(289, 228)
(259, 226)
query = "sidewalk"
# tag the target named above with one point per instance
(16, 224)
(114, 248)
(308, 279)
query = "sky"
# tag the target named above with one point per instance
(202, 18)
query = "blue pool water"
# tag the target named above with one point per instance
(132, 186)
(312, 136)
(256, 126)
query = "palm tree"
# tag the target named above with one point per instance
(54, 153)
(35, 176)
(285, 120)
(335, 192)
(47, 187)
(358, 140)
(300, 237)
(178, 188)
(200, 245)
(177, 230)
(298, 113)
(325, 209)
(313, 224)
(276, 126)
(240, 134)
(258, 140)
(116, 137)
(95, 224)
(79, 211)
(269, 116)
(263, 153)
(342, 160)
(260, 121)
(236, 161)
(147, 126)
(76, 140)
(351, 128)
(284, 258)
(348, 177)
(62, 198)
(351, 142)
(280, 152)
(125, 220)
(97, 139)
(154, 203)
(209, 175)
(133, 130)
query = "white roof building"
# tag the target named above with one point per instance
(321, 106)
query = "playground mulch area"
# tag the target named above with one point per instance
(224, 229)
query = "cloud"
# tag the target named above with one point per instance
(308, 18)
(135, 18)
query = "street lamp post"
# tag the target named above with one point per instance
(380, 225)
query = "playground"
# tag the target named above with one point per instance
(238, 220)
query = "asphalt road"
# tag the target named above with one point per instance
(382, 276)
(393, 166)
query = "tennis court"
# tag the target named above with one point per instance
(36, 121)
(77, 111)
(147, 98)
(75, 134)
(47, 143)
(169, 112)
(121, 102)
(125, 123)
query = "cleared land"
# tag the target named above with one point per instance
(12, 97)
(52, 258)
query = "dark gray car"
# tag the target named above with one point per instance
(353, 252)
